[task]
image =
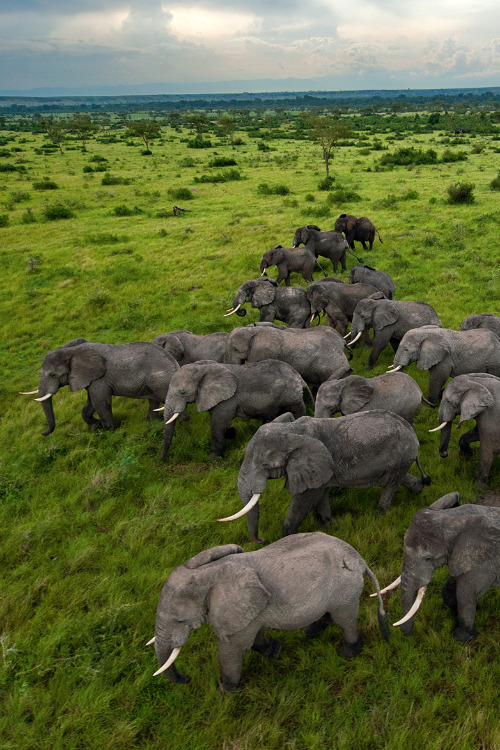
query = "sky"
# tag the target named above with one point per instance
(196, 46)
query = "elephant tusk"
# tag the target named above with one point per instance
(174, 416)
(173, 656)
(44, 398)
(399, 367)
(160, 408)
(436, 429)
(263, 273)
(254, 500)
(415, 606)
(391, 586)
(391, 367)
(312, 318)
(150, 643)
(355, 339)
(28, 393)
(232, 311)
(347, 335)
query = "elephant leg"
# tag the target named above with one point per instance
(471, 436)
(347, 618)
(266, 314)
(221, 417)
(467, 596)
(386, 496)
(367, 342)
(394, 342)
(270, 647)
(153, 405)
(315, 628)
(87, 413)
(486, 455)
(438, 375)
(323, 510)
(449, 592)
(300, 505)
(413, 484)
(253, 524)
(231, 663)
(336, 319)
(380, 341)
(100, 395)
(298, 409)
(343, 262)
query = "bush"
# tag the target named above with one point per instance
(450, 156)
(409, 155)
(461, 192)
(46, 184)
(87, 168)
(199, 143)
(181, 194)
(57, 211)
(222, 161)
(109, 179)
(228, 176)
(123, 210)
(28, 217)
(98, 158)
(310, 198)
(146, 152)
(326, 183)
(343, 195)
(495, 183)
(8, 168)
(4, 220)
(265, 189)
(263, 146)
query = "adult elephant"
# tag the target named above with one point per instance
(359, 230)
(339, 301)
(288, 585)
(259, 390)
(316, 353)
(482, 320)
(398, 393)
(370, 449)
(465, 538)
(187, 347)
(296, 259)
(139, 370)
(390, 320)
(331, 245)
(447, 353)
(290, 305)
(475, 396)
(378, 279)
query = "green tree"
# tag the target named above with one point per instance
(56, 131)
(82, 125)
(327, 131)
(228, 127)
(145, 129)
(199, 122)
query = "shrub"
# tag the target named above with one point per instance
(87, 168)
(123, 210)
(228, 176)
(199, 143)
(263, 146)
(450, 156)
(57, 211)
(409, 155)
(109, 179)
(222, 161)
(343, 195)
(181, 194)
(98, 158)
(4, 220)
(8, 168)
(461, 192)
(4, 152)
(146, 152)
(310, 198)
(326, 183)
(28, 217)
(495, 183)
(46, 184)
(265, 189)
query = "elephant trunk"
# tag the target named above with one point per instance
(48, 410)
(167, 436)
(47, 387)
(263, 265)
(246, 492)
(445, 439)
(357, 326)
(166, 655)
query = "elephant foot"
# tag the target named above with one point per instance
(426, 480)
(226, 686)
(380, 511)
(323, 522)
(481, 483)
(257, 539)
(443, 454)
(182, 679)
(271, 648)
(368, 367)
(463, 634)
(97, 425)
(215, 456)
(350, 650)
(230, 433)
(450, 598)
(465, 451)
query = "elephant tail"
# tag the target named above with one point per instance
(425, 477)
(429, 403)
(360, 260)
(306, 391)
(379, 237)
(320, 266)
(383, 621)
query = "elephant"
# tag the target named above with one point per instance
(473, 396)
(298, 259)
(138, 370)
(359, 230)
(187, 347)
(316, 353)
(398, 393)
(330, 245)
(447, 353)
(369, 449)
(466, 538)
(289, 305)
(259, 390)
(390, 320)
(482, 320)
(298, 582)
(339, 301)
(378, 279)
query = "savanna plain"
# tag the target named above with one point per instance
(93, 522)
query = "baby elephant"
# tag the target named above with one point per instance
(298, 259)
(258, 390)
(297, 582)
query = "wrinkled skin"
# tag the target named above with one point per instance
(368, 449)
(187, 347)
(482, 320)
(316, 353)
(359, 230)
(338, 301)
(475, 396)
(289, 305)
(447, 353)
(330, 245)
(396, 392)
(296, 259)
(390, 320)
(139, 370)
(467, 540)
(369, 275)
(299, 582)
(259, 390)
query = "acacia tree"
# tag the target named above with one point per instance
(145, 129)
(228, 127)
(83, 125)
(327, 131)
(56, 132)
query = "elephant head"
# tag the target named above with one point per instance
(319, 296)
(303, 234)
(206, 382)
(425, 345)
(226, 595)
(345, 223)
(272, 258)
(370, 313)
(347, 396)
(253, 343)
(171, 343)
(259, 292)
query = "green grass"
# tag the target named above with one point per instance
(92, 524)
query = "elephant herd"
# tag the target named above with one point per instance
(272, 373)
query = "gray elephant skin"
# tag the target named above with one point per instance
(398, 393)
(288, 260)
(378, 279)
(259, 390)
(482, 320)
(357, 230)
(465, 538)
(289, 305)
(316, 353)
(390, 320)
(369, 449)
(138, 370)
(475, 396)
(338, 300)
(447, 353)
(294, 583)
(330, 244)
(187, 347)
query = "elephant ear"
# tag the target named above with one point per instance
(355, 395)
(212, 554)
(430, 354)
(85, 365)
(171, 344)
(264, 293)
(451, 500)
(309, 464)
(74, 342)
(384, 315)
(276, 255)
(350, 223)
(477, 398)
(217, 384)
(473, 548)
(235, 600)
(313, 226)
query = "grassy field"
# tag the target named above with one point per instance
(92, 523)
